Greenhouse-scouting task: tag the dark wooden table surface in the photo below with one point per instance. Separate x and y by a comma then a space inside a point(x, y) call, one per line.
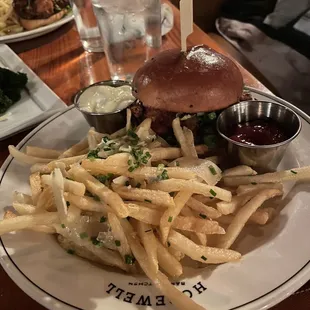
point(60, 61)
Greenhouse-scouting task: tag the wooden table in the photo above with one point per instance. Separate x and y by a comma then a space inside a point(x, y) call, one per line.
point(60, 61)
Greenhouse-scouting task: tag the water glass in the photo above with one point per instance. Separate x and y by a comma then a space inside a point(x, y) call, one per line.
point(131, 31)
point(87, 26)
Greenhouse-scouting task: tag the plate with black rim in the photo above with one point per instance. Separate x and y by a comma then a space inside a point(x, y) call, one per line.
point(275, 262)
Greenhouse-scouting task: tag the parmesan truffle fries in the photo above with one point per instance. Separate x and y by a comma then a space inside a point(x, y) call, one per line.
point(131, 201)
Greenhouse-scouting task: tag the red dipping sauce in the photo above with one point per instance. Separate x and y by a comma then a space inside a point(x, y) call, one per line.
point(259, 132)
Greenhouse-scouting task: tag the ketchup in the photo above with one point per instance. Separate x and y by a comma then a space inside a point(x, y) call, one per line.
point(258, 132)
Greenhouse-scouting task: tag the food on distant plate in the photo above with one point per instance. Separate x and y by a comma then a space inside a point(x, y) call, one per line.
point(11, 85)
point(105, 99)
point(258, 132)
point(37, 13)
point(9, 23)
point(131, 201)
point(194, 85)
point(19, 15)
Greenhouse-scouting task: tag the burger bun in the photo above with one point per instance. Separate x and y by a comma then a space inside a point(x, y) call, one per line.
point(30, 24)
point(199, 80)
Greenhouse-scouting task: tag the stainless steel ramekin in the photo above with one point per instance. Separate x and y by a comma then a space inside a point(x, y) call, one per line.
point(263, 157)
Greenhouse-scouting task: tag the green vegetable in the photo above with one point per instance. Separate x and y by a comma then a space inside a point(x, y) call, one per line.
point(177, 164)
point(96, 242)
point(104, 179)
point(212, 192)
point(170, 219)
point(93, 154)
point(117, 243)
point(83, 235)
point(63, 226)
point(5, 102)
point(138, 185)
point(294, 172)
point(11, 84)
point(147, 200)
point(70, 251)
point(253, 183)
point(127, 183)
point(163, 175)
point(103, 219)
point(68, 203)
point(202, 216)
point(204, 258)
point(129, 260)
point(212, 170)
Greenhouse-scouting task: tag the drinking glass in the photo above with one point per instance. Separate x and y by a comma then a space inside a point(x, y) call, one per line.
point(131, 31)
point(87, 26)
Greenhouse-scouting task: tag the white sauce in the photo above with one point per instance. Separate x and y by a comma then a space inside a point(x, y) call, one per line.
point(106, 99)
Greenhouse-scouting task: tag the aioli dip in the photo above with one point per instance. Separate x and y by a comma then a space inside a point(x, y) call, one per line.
point(105, 99)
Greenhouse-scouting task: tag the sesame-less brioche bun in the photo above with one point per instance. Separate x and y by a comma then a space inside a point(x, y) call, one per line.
point(199, 80)
point(31, 24)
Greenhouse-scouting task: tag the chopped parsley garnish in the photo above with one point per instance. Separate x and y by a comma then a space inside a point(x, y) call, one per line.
point(212, 116)
point(96, 242)
point(212, 192)
point(202, 216)
point(129, 259)
point(107, 149)
point(294, 172)
point(117, 243)
point(253, 183)
point(63, 226)
point(212, 170)
point(68, 203)
point(104, 179)
point(70, 251)
point(170, 219)
point(129, 162)
point(138, 185)
point(103, 219)
point(131, 169)
point(127, 183)
point(138, 158)
point(163, 175)
point(93, 154)
point(147, 200)
point(84, 235)
point(177, 164)
point(105, 139)
point(132, 134)
point(204, 258)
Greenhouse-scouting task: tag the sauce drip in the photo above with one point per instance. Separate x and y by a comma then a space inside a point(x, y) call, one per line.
point(258, 132)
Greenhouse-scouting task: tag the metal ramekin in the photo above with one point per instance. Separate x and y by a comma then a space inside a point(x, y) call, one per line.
point(262, 157)
point(104, 122)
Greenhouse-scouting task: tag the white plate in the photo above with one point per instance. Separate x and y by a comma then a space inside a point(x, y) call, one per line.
point(38, 103)
point(276, 261)
point(31, 34)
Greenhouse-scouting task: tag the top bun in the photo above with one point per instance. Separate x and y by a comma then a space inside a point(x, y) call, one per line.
point(199, 80)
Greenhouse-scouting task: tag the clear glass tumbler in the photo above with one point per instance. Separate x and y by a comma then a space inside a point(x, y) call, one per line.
point(131, 31)
point(87, 26)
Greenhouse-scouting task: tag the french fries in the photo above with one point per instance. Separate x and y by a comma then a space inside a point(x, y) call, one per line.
point(296, 174)
point(206, 255)
point(243, 215)
point(239, 171)
point(113, 199)
point(170, 214)
point(154, 197)
point(176, 185)
point(41, 152)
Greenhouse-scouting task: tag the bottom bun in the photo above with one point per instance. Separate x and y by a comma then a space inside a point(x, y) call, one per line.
point(30, 24)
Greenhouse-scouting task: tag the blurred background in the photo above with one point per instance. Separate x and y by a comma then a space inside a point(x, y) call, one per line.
point(270, 38)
